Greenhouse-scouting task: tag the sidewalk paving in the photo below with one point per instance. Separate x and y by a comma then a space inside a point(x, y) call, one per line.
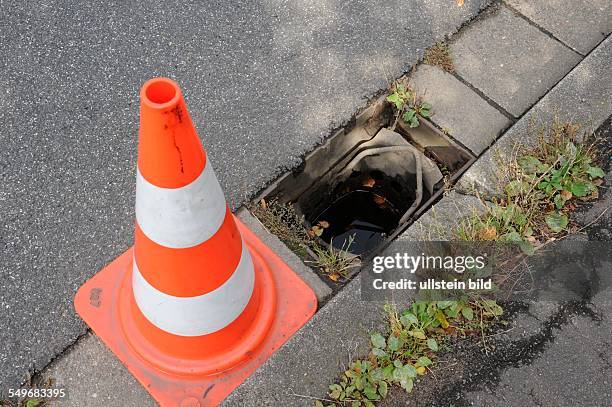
point(510, 60)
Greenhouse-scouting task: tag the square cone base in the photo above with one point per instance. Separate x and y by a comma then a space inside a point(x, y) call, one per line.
point(97, 302)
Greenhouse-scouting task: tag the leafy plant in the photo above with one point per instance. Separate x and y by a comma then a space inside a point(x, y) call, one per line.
point(407, 105)
point(570, 175)
point(29, 402)
point(409, 347)
point(412, 113)
point(400, 96)
point(542, 185)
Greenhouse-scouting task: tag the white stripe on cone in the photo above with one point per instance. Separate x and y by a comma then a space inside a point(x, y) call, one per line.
point(180, 217)
point(199, 315)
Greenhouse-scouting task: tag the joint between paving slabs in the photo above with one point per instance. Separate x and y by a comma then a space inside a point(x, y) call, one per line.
point(36, 375)
point(540, 28)
point(486, 98)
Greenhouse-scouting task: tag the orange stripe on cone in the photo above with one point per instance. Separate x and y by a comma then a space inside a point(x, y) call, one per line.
point(186, 278)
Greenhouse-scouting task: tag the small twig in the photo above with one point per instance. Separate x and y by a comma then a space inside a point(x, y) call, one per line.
point(321, 399)
point(314, 398)
point(590, 223)
point(397, 116)
point(500, 333)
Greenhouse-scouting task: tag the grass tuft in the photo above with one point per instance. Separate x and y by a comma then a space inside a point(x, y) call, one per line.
point(281, 220)
point(335, 263)
point(439, 55)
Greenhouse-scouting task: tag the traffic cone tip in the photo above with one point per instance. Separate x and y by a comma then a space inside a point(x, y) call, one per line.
point(160, 93)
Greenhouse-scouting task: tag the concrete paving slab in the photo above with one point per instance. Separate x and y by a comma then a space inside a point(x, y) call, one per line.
point(265, 82)
point(93, 376)
point(580, 24)
point(510, 60)
point(583, 96)
point(439, 221)
point(458, 109)
point(315, 357)
point(322, 290)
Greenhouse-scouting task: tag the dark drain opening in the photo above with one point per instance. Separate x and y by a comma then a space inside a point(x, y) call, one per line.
point(365, 216)
point(370, 183)
point(376, 189)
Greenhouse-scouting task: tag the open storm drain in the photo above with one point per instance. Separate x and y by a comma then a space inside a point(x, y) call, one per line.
point(366, 184)
point(369, 195)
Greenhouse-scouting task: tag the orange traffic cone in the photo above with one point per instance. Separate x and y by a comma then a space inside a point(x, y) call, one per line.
point(199, 302)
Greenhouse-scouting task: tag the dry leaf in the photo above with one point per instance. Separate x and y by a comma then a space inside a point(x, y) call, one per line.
point(317, 230)
point(379, 200)
point(368, 182)
point(594, 195)
point(334, 276)
point(460, 2)
point(263, 204)
point(488, 233)
point(567, 195)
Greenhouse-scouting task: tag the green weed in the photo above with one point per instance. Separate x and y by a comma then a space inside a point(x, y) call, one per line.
point(543, 185)
point(408, 106)
point(408, 349)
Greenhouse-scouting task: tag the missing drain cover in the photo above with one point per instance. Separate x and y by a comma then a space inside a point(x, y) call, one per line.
point(368, 183)
point(361, 215)
point(374, 191)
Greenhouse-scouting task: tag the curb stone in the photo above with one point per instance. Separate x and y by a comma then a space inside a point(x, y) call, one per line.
point(458, 109)
point(509, 60)
point(438, 222)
